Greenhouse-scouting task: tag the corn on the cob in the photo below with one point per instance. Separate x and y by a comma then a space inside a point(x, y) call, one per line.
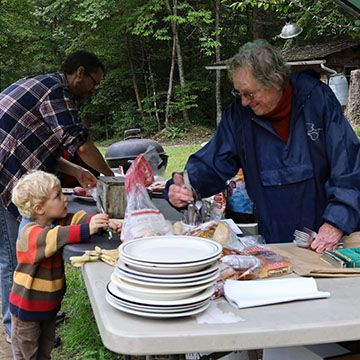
point(108, 256)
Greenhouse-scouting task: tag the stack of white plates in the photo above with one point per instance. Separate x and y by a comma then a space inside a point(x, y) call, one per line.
point(164, 277)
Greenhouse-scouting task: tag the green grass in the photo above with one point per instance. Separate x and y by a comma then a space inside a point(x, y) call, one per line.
point(178, 156)
point(79, 334)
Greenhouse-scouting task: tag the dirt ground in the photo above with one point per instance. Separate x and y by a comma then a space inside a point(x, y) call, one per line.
point(5, 348)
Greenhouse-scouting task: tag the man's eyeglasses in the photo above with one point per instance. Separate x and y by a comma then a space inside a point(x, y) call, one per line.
point(247, 95)
point(96, 83)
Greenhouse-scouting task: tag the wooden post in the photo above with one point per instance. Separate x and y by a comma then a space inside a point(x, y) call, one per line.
point(352, 111)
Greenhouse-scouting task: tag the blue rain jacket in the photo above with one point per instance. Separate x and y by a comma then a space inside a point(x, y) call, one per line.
point(313, 178)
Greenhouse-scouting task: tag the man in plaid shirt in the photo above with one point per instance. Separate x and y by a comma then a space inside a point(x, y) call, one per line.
point(38, 121)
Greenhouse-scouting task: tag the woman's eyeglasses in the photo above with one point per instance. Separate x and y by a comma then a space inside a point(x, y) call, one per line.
point(247, 95)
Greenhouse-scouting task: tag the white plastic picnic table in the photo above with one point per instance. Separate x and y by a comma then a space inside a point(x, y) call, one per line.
point(334, 319)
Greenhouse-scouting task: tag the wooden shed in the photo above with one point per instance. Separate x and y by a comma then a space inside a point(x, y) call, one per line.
point(327, 55)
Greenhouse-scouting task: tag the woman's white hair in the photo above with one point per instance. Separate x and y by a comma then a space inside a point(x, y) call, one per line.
point(33, 188)
point(266, 65)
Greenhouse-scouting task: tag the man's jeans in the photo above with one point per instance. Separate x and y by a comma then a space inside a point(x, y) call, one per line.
point(8, 235)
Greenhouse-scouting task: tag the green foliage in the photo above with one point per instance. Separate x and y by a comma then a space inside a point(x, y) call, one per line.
point(242, 5)
point(318, 18)
point(357, 130)
point(147, 18)
point(182, 99)
point(125, 117)
point(36, 35)
point(174, 131)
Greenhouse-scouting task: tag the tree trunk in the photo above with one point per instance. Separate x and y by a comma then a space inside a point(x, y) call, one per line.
point(151, 77)
point(217, 59)
point(257, 24)
point(352, 111)
point(173, 11)
point(169, 92)
point(133, 76)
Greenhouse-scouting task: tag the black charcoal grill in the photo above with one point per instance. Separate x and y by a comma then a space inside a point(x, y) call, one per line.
point(124, 152)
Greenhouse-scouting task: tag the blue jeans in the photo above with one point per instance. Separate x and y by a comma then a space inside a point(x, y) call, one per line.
point(8, 235)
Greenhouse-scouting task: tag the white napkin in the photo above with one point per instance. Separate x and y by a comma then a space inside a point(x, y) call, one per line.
point(244, 294)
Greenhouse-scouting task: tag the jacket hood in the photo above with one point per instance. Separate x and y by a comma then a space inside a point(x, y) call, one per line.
point(304, 82)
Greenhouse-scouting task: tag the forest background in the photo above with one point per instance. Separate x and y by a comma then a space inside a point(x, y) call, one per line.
point(155, 52)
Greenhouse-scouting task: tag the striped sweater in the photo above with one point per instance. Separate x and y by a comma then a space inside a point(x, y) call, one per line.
point(39, 278)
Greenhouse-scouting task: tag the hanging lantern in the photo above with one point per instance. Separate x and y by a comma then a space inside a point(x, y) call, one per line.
point(340, 87)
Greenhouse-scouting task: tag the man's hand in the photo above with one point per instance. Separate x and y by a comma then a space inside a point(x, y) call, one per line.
point(179, 195)
point(98, 221)
point(328, 238)
point(85, 178)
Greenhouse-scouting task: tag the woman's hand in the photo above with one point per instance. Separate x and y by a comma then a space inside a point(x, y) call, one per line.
point(328, 238)
point(98, 221)
point(179, 195)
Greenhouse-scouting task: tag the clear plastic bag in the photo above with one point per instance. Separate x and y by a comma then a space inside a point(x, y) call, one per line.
point(142, 217)
point(246, 258)
point(217, 230)
point(214, 207)
point(240, 267)
point(272, 263)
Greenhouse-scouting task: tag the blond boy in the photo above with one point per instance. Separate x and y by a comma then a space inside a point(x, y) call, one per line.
point(39, 279)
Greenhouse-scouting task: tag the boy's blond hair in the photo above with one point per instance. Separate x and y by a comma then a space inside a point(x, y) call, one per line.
point(33, 188)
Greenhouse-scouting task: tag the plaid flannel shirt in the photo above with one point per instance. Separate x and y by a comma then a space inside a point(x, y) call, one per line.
point(38, 119)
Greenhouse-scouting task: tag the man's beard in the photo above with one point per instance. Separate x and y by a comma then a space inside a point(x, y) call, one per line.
point(81, 100)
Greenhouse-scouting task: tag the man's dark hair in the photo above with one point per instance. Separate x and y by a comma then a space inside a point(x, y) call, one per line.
point(84, 58)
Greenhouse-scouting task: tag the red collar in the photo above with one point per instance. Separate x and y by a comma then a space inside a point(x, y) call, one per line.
point(283, 107)
point(280, 116)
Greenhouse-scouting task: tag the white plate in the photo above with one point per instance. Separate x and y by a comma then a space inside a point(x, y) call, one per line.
point(157, 293)
point(159, 315)
point(157, 309)
point(111, 288)
point(147, 282)
point(165, 277)
point(175, 249)
point(203, 295)
point(169, 268)
point(84, 198)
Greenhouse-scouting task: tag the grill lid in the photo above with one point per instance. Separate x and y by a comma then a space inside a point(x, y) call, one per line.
point(131, 148)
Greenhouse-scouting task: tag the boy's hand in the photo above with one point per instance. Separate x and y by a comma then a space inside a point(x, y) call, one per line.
point(97, 222)
point(116, 225)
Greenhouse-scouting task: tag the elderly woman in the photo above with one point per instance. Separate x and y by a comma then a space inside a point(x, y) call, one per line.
point(300, 156)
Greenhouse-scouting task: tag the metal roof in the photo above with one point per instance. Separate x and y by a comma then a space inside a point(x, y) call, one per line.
point(351, 6)
point(319, 49)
